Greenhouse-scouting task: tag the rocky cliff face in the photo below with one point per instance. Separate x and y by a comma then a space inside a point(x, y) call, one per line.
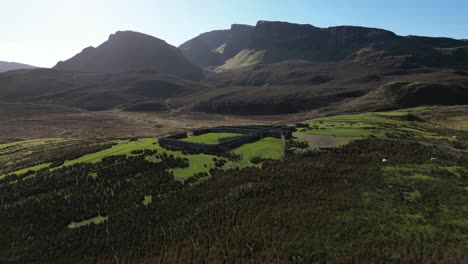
point(286, 41)
point(279, 41)
point(215, 47)
point(127, 51)
point(201, 50)
point(240, 38)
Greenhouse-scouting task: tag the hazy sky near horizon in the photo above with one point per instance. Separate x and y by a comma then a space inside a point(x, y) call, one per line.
point(42, 32)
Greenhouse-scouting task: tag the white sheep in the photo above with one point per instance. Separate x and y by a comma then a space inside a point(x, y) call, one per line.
point(384, 160)
point(433, 159)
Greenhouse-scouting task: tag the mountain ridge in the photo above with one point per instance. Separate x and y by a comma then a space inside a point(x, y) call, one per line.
point(128, 51)
point(11, 66)
point(281, 41)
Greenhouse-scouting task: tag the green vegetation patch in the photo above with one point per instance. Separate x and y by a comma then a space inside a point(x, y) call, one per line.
point(33, 168)
point(30, 143)
point(379, 124)
point(267, 148)
point(243, 59)
point(148, 199)
point(198, 163)
point(33, 155)
point(95, 220)
point(122, 148)
point(211, 138)
point(452, 117)
point(340, 204)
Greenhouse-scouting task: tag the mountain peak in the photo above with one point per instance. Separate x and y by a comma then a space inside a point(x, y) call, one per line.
point(130, 35)
point(127, 51)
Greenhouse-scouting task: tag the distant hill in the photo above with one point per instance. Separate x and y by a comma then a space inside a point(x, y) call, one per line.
point(128, 51)
point(270, 42)
point(270, 69)
point(10, 66)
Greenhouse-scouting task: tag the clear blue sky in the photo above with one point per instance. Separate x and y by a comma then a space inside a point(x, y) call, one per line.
point(42, 32)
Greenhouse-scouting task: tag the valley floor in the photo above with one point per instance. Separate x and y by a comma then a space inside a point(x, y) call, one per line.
point(380, 186)
point(20, 121)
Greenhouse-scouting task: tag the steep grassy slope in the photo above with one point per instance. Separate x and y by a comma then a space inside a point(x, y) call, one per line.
point(242, 59)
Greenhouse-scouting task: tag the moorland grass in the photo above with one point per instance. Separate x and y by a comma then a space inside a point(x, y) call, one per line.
point(378, 124)
point(32, 155)
point(30, 143)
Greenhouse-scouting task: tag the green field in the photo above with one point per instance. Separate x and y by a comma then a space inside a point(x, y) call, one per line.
point(323, 132)
point(210, 138)
point(379, 124)
point(122, 148)
point(267, 148)
point(33, 168)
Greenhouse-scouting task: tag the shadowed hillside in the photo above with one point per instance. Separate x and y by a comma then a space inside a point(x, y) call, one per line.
point(215, 47)
point(127, 51)
point(279, 41)
point(94, 91)
point(10, 66)
point(273, 68)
